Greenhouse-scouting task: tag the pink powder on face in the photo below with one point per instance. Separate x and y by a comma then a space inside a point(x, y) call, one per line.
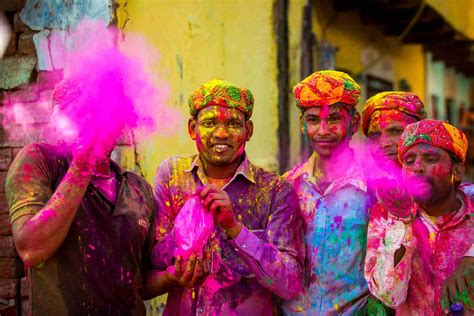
point(376, 167)
point(116, 91)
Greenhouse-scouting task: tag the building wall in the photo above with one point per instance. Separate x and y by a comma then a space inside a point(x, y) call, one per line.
point(410, 65)
point(444, 82)
point(458, 13)
point(201, 40)
point(358, 44)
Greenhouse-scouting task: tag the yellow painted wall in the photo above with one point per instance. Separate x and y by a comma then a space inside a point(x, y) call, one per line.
point(458, 13)
point(230, 39)
point(201, 40)
point(410, 65)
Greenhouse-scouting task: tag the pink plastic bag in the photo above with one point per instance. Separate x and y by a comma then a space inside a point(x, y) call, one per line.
point(192, 227)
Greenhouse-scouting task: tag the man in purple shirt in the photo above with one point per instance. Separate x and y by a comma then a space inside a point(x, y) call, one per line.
point(256, 251)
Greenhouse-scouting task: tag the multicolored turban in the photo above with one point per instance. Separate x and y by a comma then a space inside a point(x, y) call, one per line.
point(326, 87)
point(405, 102)
point(222, 93)
point(435, 133)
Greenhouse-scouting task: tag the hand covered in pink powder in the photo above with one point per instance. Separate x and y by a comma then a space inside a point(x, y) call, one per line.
point(395, 198)
point(218, 202)
point(189, 273)
point(88, 156)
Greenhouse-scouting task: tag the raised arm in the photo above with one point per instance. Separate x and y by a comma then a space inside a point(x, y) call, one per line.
point(41, 217)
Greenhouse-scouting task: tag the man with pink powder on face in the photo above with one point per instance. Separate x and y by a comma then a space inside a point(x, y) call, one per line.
point(83, 226)
point(333, 197)
point(384, 117)
point(421, 233)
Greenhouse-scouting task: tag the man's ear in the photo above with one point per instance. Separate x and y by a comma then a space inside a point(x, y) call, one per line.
point(355, 122)
point(302, 128)
point(458, 171)
point(249, 129)
point(192, 127)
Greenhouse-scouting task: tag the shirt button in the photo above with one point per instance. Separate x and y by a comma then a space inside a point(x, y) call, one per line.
point(199, 310)
point(243, 246)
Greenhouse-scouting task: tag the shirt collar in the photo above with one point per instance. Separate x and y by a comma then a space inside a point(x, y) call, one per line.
point(304, 170)
point(246, 169)
point(115, 166)
point(463, 213)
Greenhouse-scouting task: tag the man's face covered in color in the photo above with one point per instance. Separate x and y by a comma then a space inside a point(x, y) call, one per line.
point(429, 174)
point(384, 132)
point(220, 134)
point(328, 128)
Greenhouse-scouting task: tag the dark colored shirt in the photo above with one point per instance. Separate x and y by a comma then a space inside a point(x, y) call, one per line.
point(100, 265)
point(250, 273)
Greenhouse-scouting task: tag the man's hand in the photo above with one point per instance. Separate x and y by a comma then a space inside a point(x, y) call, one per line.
point(395, 198)
point(458, 288)
point(91, 156)
point(193, 274)
point(217, 201)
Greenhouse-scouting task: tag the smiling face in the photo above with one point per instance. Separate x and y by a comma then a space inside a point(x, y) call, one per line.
point(328, 128)
point(384, 132)
point(430, 173)
point(220, 134)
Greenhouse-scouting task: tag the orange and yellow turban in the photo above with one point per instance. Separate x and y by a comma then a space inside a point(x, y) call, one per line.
point(326, 87)
point(221, 93)
point(405, 102)
point(435, 133)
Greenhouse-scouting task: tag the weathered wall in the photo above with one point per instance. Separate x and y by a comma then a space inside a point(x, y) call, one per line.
point(201, 40)
point(17, 70)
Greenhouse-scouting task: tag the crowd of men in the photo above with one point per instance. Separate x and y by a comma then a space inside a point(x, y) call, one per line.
point(381, 228)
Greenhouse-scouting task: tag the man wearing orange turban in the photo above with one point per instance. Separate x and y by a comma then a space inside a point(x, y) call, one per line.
point(333, 197)
point(384, 117)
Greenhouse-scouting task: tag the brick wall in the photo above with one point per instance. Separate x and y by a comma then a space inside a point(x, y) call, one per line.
point(19, 83)
point(13, 285)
